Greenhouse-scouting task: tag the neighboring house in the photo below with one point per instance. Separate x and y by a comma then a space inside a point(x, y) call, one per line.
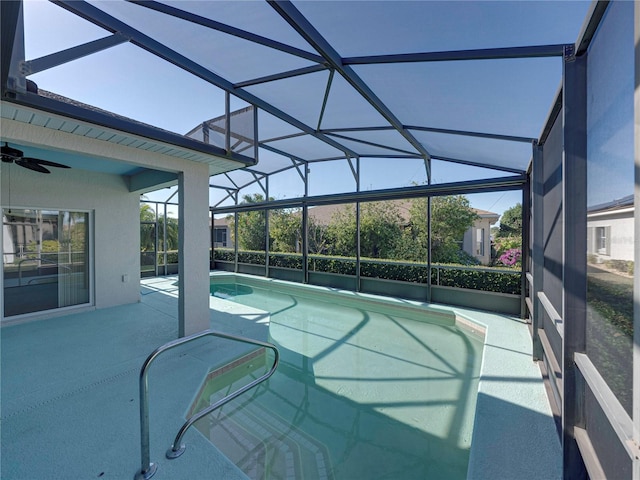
point(477, 239)
point(610, 230)
point(222, 233)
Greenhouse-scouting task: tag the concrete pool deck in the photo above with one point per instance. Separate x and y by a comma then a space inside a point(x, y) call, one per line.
point(70, 394)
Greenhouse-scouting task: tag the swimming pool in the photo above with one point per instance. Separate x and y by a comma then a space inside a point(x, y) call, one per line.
point(365, 389)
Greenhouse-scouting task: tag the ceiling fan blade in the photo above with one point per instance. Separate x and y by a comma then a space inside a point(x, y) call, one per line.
point(8, 153)
point(45, 162)
point(31, 166)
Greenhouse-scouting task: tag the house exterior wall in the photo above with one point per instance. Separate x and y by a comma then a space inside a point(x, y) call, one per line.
point(477, 240)
point(116, 214)
point(610, 236)
point(115, 220)
point(223, 232)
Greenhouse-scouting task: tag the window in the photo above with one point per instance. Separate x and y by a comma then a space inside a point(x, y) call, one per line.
point(45, 260)
point(220, 237)
point(602, 240)
point(480, 241)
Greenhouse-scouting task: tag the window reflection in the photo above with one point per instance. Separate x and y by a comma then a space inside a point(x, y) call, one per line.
point(610, 200)
point(45, 259)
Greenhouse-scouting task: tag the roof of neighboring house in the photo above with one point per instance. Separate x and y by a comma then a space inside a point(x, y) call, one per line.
point(220, 222)
point(493, 217)
point(624, 202)
point(322, 214)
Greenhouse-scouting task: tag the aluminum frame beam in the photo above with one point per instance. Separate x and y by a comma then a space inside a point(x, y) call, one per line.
point(373, 144)
point(537, 247)
point(588, 30)
point(539, 51)
point(112, 24)
point(300, 24)
point(221, 27)
point(515, 182)
point(68, 55)
point(477, 164)
point(466, 133)
point(574, 275)
point(325, 99)
point(10, 15)
point(281, 76)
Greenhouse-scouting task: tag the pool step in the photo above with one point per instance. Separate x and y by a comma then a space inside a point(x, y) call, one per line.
point(265, 446)
point(262, 444)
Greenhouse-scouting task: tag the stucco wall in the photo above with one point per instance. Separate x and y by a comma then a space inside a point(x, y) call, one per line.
point(469, 240)
point(117, 217)
point(621, 236)
point(115, 221)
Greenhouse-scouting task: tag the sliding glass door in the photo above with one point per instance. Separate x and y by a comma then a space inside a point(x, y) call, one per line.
point(45, 260)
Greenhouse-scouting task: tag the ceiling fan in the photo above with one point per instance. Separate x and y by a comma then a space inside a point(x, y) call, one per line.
point(13, 155)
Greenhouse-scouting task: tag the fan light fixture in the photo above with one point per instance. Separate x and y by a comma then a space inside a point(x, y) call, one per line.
point(13, 155)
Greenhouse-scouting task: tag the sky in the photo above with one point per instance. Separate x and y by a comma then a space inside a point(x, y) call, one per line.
point(508, 97)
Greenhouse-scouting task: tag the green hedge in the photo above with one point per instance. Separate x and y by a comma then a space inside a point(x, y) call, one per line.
point(286, 260)
point(244, 256)
point(224, 255)
point(403, 272)
point(502, 280)
point(339, 265)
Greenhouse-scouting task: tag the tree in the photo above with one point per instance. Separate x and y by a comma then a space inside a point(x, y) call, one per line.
point(413, 244)
point(380, 229)
point(172, 232)
point(318, 238)
point(451, 217)
point(251, 226)
point(148, 230)
point(508, 241)
point(285, 230)
point(341, 232)
point(511, 222)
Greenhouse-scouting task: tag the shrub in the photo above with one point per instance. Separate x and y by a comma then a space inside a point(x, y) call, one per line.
point(286, 261)
point(501, 281)
point(511, 258)
point(251, 257)
point(340, 265)
point(405, 272)
point(449, 275)
point(172, 257)
point(224, 254)
point(625, 266)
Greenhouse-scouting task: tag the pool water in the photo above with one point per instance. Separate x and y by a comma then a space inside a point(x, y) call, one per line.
point(359, 394)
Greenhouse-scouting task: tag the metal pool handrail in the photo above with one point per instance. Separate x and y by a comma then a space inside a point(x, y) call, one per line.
point(40, 259)
point(148, 469)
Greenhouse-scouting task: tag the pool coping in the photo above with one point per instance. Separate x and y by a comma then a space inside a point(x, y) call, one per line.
point(514, 433)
